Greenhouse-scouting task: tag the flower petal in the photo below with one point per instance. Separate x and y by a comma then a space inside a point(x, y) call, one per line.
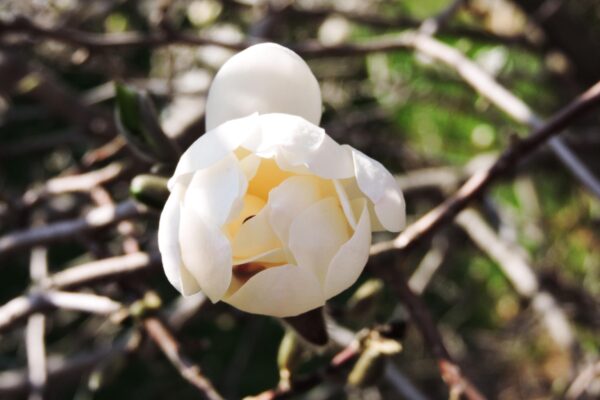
point(255, 236)
point(251, 206)
point(214, 191)
point(348, 263)
point(288, 200)
point(249, 165)
point(271, 257)
point(168, 244)
point(264, 78)
point(206, 253)
point(382, 189)
point(280, 292)
point(317, 234)
point(267, 177)
point(214, 145)
point(301, 147)
point(345, 202)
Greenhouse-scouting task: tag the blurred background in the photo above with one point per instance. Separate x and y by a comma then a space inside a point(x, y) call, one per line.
point(513, 284)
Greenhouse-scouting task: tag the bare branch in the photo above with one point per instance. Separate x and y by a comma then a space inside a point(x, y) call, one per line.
point(35, 330)
point(431, 25)
point(172, 349)
point(111, 41)
point(63, 370)
point(520, 274)
point(468, 192)
point(583, 381)
point(429, 265)
point(40, 83)
point(75, 183)
point(97, 218)
point(502, 98)
point(106, 269)
point(341, 360)
point(22, 307)
point(36, 355)
point(449, 370)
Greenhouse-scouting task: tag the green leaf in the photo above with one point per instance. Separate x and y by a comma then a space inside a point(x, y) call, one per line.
point(137, 120)
point(127, 107)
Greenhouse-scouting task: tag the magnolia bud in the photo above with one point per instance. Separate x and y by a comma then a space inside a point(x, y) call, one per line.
point(150, 190)
point(362, 306)
point(291, 350)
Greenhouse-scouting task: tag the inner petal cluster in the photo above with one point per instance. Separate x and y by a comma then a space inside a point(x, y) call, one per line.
point(285, 218)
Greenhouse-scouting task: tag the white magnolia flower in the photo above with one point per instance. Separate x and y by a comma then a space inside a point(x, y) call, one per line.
point(266, 211)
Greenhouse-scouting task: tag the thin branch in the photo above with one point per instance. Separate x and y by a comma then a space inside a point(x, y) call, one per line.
point(402, 384)
point(401, 21)
point(432, 25)
point(27, 77)
point(34, 144)
point(340, 361)
point(470, 71)
point(63, 370)
point(520, 275)
point(583, 381)
point(344, 338)
point(75, 183)
point(505, 100)
point(449, 370)
point(22, 307)
point(125, 40)
point(35, 331)
point(109, 268)
point(36, 355)
point(351, 348)
point(468, 192)
point(112, 41)
point(172, 349)
point(429, 265)
point(86, 302)
point(95, 219)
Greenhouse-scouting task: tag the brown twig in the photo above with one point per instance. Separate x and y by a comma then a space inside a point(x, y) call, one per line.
point(109, 268)
point(504, 99)
point(22, 307)
point(401, 21)
point(583, 381)
point(520, 274)
point(468, 192)
point(114, 41)
point(95, 219)
point(419, 313)
point(63, 370)
point(75, 183)
point(431, 25)
point(35, 343)
point(341, 360)
point(26, 77)
point(169, 345)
